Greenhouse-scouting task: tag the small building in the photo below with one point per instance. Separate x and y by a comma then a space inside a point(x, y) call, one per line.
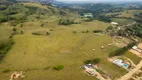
point(137, 49)
point(134, 47)
point(114, 23)
point(88, 15)
point(118, 62)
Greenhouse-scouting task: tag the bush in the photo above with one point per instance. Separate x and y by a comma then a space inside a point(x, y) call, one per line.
point(65, 22)
point(47, 33)
point(14, 29)
point(21, 25)
point(42, 25)
point(96, 61)
point(98, 31)
point(6, 70)
point(93, 61)
point(87, 31)
point(46, 68)
point(58, 67)
point(22, 32)
point(87, 61)
point(74, 31)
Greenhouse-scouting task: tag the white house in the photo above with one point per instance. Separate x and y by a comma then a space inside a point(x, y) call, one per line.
point(114, 23)
point(88, 15)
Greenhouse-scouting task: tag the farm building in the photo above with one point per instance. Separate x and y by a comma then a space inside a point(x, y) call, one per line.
point(114, 23)
point(88, 15)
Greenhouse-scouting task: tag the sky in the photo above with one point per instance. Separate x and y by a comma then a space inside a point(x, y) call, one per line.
point(98, 0)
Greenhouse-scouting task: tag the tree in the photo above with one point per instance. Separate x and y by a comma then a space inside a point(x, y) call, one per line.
point(93, 61)
point(14, 29)
point(96, 61)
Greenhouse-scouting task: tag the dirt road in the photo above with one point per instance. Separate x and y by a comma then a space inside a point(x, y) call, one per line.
point(133, 71)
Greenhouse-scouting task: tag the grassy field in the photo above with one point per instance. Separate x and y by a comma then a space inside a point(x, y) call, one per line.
point(128, 13)
point(5, 32)
point(123, 21)
point(33, 53)
point(133, 57)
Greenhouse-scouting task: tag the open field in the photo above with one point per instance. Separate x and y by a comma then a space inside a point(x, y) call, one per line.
point(128, 13)
point(33, 53)
point(123, 21)
point(5, 32)
point(133, 57)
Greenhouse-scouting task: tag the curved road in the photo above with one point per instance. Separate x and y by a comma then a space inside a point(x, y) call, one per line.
point(131, 72)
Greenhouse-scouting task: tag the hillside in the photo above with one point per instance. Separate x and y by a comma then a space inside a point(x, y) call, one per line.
point(40, 41)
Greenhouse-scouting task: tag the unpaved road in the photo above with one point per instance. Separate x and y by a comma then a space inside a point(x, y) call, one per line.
point(133, 71)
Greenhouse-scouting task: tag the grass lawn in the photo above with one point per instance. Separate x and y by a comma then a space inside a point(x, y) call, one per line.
point(133, 57)
point(5, 32)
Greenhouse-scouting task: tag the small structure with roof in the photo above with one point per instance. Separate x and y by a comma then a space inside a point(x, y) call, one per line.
point(114, 23)
point(88, 15)
point(137, 49)
point(120, 63)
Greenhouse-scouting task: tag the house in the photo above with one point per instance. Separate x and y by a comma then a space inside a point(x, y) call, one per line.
point(134, 47)
point(114, 23)
point(137, 49)
point(120, 63)
point(88, 15)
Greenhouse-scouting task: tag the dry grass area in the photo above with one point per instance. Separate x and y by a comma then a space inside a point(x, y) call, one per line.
point(33, 53)
point(5, 32)
point(35, 5)
point(129, 13)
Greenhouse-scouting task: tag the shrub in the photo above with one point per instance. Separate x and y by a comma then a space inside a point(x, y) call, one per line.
point(87, 61)
point(98, 31)
point(42, 25)
point(6, 70)
point(96, 61)
point(83, 31)
point(46, 68)
point(58, 67)
point(87, 31)
point(65, 22)
point(22, 32)
point(21, 25)
point(93, 61)
point(14, 29)
point(74, 32)
point(47, 33)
